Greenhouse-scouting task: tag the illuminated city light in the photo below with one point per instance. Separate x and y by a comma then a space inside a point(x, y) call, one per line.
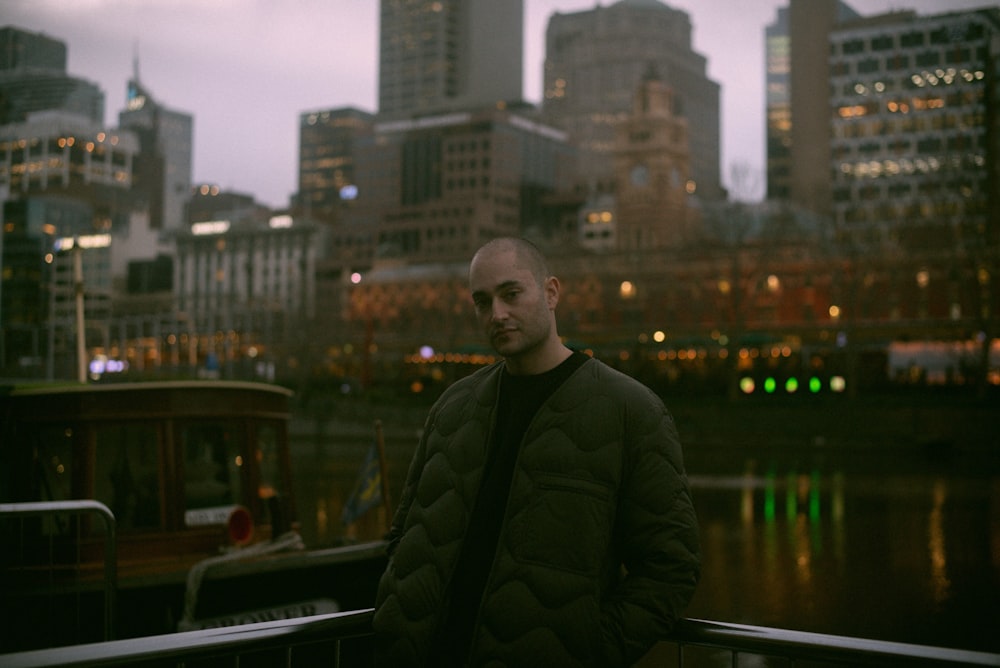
point(815, 385)
point(355, 278)
point(792, 385)
point(770, 385)
point(210, 227)
point(747, 386)
point(85, 241)
point(838, 384)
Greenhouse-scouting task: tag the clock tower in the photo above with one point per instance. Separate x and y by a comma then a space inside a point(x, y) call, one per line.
point(652, 171)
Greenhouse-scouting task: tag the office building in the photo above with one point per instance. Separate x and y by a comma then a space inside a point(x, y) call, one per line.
point(447, 55)
point(778, 105)
point(446, 184)
point(39, 327)
point(22, 50)
point(67, 177)
point(251, 278)
point(163, 168)
point(913, 149)
point(33, 78)
point(68, 153)
point(328, 143)
point(597, 58)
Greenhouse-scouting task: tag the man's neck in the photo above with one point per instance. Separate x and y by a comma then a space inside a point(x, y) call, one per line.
point(540, 361)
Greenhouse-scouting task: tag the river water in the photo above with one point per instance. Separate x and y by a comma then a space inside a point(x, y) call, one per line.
point(902, 546)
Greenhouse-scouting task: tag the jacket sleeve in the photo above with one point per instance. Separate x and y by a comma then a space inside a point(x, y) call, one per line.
point(657, 536)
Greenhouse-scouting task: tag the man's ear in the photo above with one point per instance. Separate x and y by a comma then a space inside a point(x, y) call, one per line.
point(552, 291)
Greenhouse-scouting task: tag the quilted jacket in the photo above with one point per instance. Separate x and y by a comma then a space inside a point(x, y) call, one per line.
point(598, 553)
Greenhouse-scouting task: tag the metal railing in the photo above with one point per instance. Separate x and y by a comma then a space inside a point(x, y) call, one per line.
point(79, 507)
point(345, 639)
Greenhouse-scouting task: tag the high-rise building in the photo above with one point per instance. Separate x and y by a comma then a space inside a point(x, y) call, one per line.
point(33, 78)
point(163, 168)
point(597, 58)
point(328, 142)
point(42, 234)
point(778, 105)
point(808, 151)
point(67, 153)
point(23, 50)
point(446, 184)
point(448, 55)
point(913, 148)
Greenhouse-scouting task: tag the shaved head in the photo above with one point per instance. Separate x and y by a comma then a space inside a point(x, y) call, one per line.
point(527, 254)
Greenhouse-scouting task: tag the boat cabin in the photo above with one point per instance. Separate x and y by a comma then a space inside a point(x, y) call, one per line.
point(188, 468)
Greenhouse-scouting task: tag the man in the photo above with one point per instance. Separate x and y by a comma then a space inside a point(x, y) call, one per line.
point(546, 518)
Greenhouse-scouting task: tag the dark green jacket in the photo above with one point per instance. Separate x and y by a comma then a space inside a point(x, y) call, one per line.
point(598, 554)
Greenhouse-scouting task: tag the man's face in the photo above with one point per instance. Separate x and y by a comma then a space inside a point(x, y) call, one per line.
point(512, 308)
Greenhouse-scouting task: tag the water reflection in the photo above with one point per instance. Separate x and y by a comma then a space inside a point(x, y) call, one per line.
point(940, 584)
point(833, 548)
point(892, 548)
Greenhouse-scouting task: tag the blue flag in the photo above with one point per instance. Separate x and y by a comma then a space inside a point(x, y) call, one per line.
point(367, 490)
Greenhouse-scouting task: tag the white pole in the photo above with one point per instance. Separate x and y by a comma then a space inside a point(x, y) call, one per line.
point(81, 348)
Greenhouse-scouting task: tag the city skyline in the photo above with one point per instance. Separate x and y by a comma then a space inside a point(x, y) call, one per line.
point(248, 68)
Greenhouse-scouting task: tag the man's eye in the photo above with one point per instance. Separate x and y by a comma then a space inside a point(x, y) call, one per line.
point(511, 294)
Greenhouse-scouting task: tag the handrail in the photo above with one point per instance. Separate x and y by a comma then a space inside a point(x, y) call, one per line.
point(333, 628)
point(821, 647)
point(81, 506)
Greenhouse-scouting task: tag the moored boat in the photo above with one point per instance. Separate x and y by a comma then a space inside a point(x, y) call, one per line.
point(197, 476)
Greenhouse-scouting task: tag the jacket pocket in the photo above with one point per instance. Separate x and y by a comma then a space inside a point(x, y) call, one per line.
point(565, 525)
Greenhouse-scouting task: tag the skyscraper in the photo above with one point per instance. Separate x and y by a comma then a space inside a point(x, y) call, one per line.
point(596, 59)
point(33, 78)
point(778, 101)
point(163, 167)
point(447, 55)
point(797, 74)
point(913, 150)
point(327, 159)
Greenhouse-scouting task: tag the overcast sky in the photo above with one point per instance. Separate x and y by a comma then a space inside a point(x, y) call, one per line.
point(246, 69)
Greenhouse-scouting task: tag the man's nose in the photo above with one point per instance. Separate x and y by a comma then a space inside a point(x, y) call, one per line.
point(498, 311)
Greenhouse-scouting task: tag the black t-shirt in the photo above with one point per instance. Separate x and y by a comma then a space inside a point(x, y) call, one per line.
point(520, 397)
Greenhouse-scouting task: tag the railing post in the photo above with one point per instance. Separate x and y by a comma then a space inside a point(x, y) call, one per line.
point(79, 507)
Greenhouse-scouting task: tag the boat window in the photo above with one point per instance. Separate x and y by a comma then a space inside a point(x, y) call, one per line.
point(213, 461)
point(53, 451)
point(126, 473)
point(269, 458)
point(271, 489)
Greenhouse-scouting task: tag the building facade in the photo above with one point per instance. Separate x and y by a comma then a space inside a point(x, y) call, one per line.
point(328, 144)
point(68, 182)
point(163, 169)
point(594, 62)
point(778, 101)
point(444, 185)
point(245, 282)
point(913, 163)
point(651, 163)
point(436, 57)
point(33, 78)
